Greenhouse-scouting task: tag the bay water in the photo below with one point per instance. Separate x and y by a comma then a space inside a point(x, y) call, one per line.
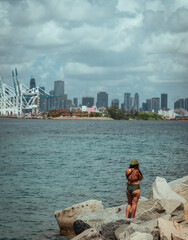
point(48, 165)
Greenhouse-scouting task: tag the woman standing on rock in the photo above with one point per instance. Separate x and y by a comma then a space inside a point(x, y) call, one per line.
point(133, 175)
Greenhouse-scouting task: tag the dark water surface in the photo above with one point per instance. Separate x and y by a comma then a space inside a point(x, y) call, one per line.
point(48, 165)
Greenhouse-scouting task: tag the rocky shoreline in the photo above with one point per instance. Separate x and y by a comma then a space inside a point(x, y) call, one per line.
point(164, 216)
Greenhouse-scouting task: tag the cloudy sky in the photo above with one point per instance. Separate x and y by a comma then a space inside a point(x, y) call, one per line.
point(115, 46)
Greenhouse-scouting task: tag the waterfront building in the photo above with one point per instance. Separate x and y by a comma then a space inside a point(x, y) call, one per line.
point(164, 101)
point(155, 104)
point(144, 107)
point(75, 102)
point(115, 102)
point(179, 103)
point(127, 97)
point(49, 102)
point(102, 100)
point(186, 104)
point(148, 105)
point(92, 109)
point(51, 92)
point(32, 83)
point(136, 101)
point(59, 87)
point(88, 101)
point(132, 103)
point(68, 104)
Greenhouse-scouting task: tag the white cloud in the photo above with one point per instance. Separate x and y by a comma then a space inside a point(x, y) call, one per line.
point(128, 6)
point(80, 68)
point(120, 44)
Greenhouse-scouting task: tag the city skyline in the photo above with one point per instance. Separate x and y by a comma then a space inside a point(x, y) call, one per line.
point(129, 103)
point(115, 46)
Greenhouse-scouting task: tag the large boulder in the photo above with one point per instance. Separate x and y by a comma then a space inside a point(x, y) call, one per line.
point(108, 230)
point(149, 209)
point(161, 190)
point(140, 236)
point(152, 224)
point(96, 219)
point(178, 214)
point(178, 181)
point(125, 232)
point(80, 226)
point(182, 190)
point(90, 234)
point(67, 217)
point(171, 230)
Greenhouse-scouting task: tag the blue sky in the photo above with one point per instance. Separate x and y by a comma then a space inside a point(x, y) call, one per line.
point(115, 46)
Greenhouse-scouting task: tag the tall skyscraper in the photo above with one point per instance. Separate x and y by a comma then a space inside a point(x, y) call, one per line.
point(75, 102)
point(127, 97)
point(179, 104)
point(88, 101)
point(155, 104)
point(32, 83)
point(164, 101)
point(144, 107)
point(115, 102)
point(186, 104)
point(59, 88)
point(132, 103)
point(148, 105)
point(136, 101)
point(102, 100)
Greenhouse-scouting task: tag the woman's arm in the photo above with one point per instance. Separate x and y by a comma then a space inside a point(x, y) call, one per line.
point(140, 176)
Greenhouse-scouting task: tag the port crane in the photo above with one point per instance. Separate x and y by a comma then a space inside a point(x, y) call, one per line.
point(19, 98)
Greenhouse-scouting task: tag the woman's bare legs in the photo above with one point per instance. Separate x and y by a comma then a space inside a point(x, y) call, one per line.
point(132, 202)
point(129, 204)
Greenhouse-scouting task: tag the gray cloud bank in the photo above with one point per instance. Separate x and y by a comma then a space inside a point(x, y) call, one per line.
point(97, 45)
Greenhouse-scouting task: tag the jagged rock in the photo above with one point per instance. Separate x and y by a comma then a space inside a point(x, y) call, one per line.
point(178, 181)
point(80, 226)
point(89, 234)
point(155, 208)
point(171, 230)
point(67, 217)
point(149, 209)
point(140, 236)
point(153, 223)
point(108, 229)
point(178, 214)
point(125, 232)
point(161, 190)
point(96, 219)
point(182, 190)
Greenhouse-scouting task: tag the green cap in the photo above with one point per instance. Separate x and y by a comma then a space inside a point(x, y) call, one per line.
point(134, 162)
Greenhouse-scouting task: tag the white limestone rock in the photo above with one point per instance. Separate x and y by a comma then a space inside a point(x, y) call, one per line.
point(182, 190)
point(90, 234)
point(108, 230)
point(169, 230)
point(124, 233)
point(149, 209)
point(66, 217)
point(140, 236)
point(183, 180)
point(161, 190)
point(96, 219)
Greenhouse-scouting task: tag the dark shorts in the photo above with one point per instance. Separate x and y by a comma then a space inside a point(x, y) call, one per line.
point(132, 187)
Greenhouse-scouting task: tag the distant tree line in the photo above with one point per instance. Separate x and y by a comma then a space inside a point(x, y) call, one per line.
point(121, 114)
point(111, 112)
